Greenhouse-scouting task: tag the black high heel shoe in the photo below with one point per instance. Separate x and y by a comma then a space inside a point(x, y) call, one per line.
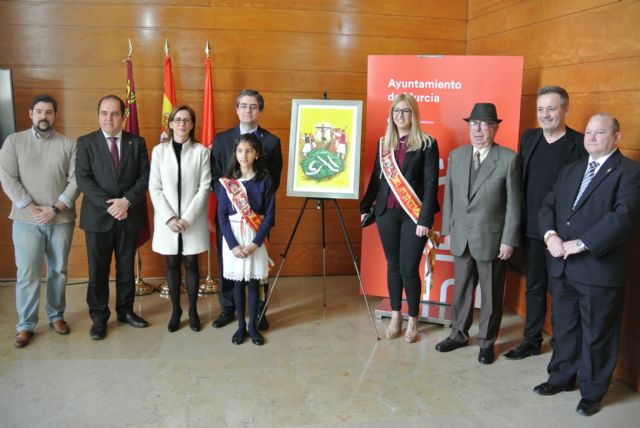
point(174, 322)
point(194, 321)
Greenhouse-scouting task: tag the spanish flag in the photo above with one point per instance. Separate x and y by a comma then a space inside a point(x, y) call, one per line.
point(169, 97)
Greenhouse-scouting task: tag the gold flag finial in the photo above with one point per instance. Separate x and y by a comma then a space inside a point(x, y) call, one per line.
point(166, 47)
point(207, 48)
point(130, 50)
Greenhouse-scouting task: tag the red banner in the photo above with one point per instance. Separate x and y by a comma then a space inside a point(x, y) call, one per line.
point(446, 88)
point(208, 133)
point(131, 125)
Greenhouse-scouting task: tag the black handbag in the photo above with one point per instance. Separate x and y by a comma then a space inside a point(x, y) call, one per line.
point(369, 218)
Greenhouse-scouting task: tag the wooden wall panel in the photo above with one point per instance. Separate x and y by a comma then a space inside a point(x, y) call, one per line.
point(591, 48)
point(74, 50)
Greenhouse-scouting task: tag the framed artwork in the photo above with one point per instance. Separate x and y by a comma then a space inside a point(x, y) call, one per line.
point(324, 149)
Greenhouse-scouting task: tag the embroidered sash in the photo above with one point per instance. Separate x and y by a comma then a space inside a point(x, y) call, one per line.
point(407, 199)
point(240, 200)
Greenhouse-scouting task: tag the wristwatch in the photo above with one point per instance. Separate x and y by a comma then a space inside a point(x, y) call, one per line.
point(580, 245)
point(55, 209)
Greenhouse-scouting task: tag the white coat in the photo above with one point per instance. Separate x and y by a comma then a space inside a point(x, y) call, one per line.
point(196, 187)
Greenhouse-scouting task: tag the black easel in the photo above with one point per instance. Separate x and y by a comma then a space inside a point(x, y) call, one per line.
point(320, 205)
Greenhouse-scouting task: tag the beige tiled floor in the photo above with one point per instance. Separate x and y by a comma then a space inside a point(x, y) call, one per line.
point(319, 367)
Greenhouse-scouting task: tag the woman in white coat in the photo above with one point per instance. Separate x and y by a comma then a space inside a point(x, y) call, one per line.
point(179, 185)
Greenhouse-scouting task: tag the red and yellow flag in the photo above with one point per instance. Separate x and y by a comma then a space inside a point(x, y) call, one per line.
point(169, 98)
point(208, 133)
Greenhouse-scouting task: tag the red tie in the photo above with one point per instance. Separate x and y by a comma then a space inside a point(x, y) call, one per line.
point(114, 153)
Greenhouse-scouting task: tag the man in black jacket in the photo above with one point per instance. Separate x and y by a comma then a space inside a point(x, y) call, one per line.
point(112, 171)
point(543, 152)
point(249, 106)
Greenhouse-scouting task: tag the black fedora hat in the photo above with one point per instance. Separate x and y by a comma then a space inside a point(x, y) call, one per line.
point(484, 111)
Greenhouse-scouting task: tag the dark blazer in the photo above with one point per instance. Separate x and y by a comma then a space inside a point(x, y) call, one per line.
point(489, 214)
point(222, 153)
point(572, 150)
point(420, 168)
point(603, 219)
point(98, 181)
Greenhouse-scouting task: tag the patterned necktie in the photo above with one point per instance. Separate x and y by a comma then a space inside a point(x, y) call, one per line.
point(115, 157)
point(476, 161)
point(588, 176)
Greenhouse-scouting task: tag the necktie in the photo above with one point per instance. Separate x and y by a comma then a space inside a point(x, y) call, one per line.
point(588, 176)
point(115, 157)
point(476, 161)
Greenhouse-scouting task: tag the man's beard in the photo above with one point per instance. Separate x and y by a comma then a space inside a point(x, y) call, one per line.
point(47, 127)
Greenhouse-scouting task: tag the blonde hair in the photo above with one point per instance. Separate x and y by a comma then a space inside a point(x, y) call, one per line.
point(417, 139)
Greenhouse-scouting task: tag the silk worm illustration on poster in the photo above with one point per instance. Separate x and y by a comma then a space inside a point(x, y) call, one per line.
point(324, 149)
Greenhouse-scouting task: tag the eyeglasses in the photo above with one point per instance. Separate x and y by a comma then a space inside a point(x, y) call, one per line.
point(401, 111)
point(178, 121)
point(252, 107)
point(480, 124)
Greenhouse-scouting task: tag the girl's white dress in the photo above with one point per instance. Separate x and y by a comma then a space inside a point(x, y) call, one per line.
point(255, 266)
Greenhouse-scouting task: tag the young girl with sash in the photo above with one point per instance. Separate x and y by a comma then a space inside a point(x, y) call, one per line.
point(404, 189)
point(246, 212)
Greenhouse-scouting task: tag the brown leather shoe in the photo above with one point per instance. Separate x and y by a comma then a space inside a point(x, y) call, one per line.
point(23, 338)
point(60, 326)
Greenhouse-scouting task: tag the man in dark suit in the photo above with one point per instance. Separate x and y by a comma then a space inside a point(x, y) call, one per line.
point(249, 106)
point(543, 153)
point(587, 220)
point(112, 171)
point(481, 222)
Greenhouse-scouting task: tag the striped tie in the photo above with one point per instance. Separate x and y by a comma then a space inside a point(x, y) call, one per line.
point(588, 176)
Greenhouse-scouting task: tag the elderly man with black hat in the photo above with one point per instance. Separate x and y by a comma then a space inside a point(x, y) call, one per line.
point(481, 222)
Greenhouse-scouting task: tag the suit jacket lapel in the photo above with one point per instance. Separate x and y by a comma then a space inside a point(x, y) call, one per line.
point(465, 160)
point(125, 150)
point(530, 149)
point(610, 165)
point(488, 166)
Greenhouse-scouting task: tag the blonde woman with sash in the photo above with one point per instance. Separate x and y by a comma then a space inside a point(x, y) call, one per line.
point(404, 189)
point(246, 212)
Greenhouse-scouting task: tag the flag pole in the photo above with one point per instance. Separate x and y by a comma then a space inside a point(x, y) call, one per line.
point(209, 285)
point(142, 288)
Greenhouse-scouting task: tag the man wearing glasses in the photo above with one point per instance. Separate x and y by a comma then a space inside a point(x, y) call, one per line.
point(249, 106)
point(481, 222)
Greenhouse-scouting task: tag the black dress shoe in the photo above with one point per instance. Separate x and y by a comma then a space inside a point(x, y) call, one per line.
point(588, 407)
point(263, 325)
point(548, 389)
point(238, 336)
point(523, 350)
point(98, 331)
point(133, 320)
point(256, 338)
point(486, 355)
point(448, 345)
point(222, 320)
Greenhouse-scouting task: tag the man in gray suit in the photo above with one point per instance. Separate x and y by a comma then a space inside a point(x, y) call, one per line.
point(481, 222)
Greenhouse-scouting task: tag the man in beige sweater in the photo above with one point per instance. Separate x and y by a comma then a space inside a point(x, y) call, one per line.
point(37, 171)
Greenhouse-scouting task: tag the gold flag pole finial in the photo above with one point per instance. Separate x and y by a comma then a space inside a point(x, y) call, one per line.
point(207, 49)
point(166, 47)
point(130, 50)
